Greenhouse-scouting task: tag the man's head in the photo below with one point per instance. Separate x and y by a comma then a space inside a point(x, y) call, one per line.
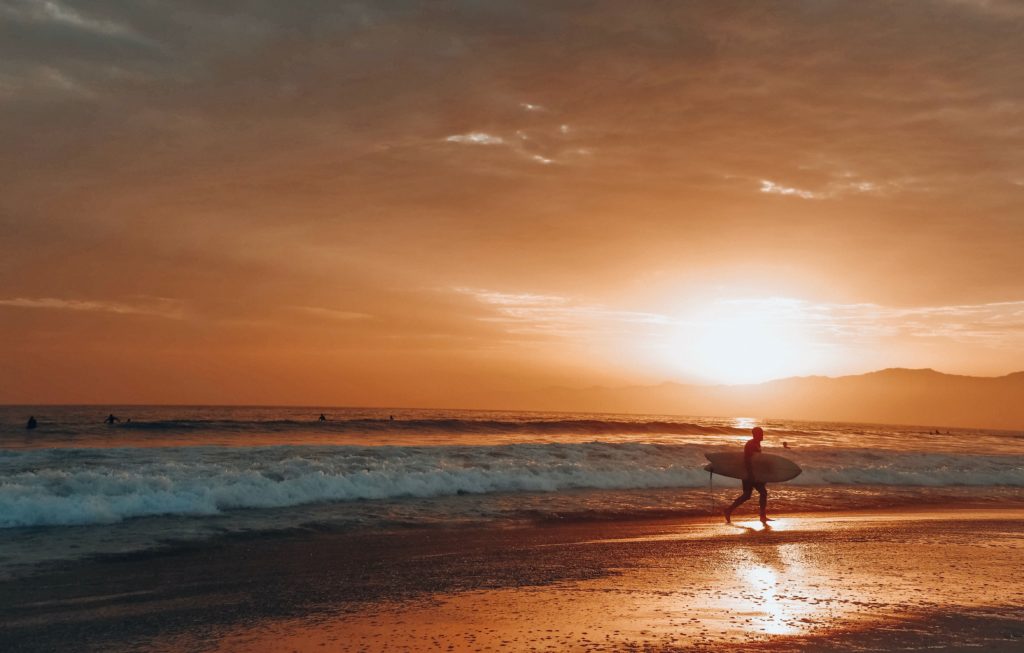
point(757, 432)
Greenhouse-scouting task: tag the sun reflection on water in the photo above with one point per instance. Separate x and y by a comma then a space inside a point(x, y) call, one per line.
point(744, 422)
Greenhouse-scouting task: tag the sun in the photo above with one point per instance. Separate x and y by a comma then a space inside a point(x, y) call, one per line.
point(738, 344)
point(744, 352)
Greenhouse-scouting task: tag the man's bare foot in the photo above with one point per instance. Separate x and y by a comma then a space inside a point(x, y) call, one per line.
point(728, 517)
point(765, 520)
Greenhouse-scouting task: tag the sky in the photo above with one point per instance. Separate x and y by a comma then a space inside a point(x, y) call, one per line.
point(437, 203)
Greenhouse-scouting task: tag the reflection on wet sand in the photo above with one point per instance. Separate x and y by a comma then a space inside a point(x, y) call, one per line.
point(702, 585)
point(779, 599)
point(774, 617)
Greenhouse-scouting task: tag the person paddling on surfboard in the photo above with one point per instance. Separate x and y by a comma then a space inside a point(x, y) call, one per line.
point(749, 483)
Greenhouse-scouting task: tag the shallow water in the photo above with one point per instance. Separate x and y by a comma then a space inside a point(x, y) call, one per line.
point(76, 486)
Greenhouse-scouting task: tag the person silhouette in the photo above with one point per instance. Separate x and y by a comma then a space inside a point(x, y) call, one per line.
point(111, 419)
point(752, 447)
point(32, 423)
point(323, 418)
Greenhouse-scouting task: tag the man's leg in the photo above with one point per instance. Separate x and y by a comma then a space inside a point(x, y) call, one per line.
point(747, 488)
point(763, 491)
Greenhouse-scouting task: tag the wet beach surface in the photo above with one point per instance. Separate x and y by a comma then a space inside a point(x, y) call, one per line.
point(837, 581)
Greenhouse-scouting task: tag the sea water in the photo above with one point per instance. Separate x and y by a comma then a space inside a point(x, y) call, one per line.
point(76, 486)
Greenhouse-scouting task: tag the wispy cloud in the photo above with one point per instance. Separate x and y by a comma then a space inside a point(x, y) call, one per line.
point(844, 184)
point(476, 138)
point(1000, 8)
point(989, 323)
point(58, 12)
point(554, 315)
point(43, 78)
point(537, 140)
point(70, 51)
point(521, 145)
point(157, 306)
point(331, 313)
point(776, 189)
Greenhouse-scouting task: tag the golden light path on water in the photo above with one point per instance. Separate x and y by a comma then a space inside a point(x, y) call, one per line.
point(745, 422)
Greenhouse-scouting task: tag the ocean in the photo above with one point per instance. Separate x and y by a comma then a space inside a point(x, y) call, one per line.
point(181, 476)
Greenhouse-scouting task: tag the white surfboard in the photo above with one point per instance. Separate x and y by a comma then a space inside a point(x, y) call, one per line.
point(768, 468)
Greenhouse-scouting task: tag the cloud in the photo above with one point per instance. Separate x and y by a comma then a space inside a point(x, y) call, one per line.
point(160, 307)
point(524, 144)
point(332, 313)
point(557, 316)
point(989, 324)
point(1000, 8)
point(322, 156)
point(775, 189)
point(54, 52)
point(997, 324)
point(476, 138)
point(845, 184)
point(51, 10)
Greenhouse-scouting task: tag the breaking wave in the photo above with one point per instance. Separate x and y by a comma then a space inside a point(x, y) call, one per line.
point(96, 486)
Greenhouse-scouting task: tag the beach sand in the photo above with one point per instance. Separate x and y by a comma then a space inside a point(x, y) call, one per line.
point(937, 579)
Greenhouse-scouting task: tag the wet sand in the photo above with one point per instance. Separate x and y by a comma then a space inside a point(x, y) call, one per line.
point(943, 580)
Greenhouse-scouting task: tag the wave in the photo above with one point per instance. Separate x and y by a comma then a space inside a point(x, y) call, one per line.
point(451, 425)
point(89, 486)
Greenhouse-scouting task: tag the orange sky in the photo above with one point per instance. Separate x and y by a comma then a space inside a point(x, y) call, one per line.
point(399, 203)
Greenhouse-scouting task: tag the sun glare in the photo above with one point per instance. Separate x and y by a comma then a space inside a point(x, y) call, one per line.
point(735, 344)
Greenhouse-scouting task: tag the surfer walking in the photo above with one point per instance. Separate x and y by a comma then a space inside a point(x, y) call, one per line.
point(749, 483)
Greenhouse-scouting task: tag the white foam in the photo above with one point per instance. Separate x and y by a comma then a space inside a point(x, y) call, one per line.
point(68, 487)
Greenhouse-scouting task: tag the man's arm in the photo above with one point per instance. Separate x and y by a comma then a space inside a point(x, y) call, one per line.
point(748, 462)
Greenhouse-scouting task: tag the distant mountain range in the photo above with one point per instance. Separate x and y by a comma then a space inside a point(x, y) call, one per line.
point(892, 396)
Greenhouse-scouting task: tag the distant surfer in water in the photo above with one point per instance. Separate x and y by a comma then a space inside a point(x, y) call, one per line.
point(32, 423)
point(749, 484)
point(323, 418)
point(111, 419)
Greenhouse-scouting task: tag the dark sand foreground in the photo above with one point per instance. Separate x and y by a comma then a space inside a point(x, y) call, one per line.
point(950, 580)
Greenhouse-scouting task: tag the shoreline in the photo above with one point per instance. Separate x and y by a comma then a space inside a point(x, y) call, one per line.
point(811, 575)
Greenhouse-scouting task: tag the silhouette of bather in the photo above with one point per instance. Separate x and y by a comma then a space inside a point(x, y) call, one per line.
point(111, 419)
point(31, 423)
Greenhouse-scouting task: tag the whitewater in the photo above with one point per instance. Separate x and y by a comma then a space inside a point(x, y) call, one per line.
point(76, 486)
